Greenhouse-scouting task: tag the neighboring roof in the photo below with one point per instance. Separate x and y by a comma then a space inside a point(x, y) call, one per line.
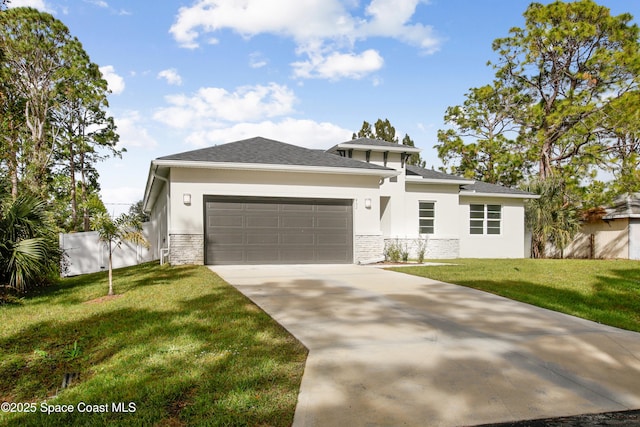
point(627, 206)
point(373, 144)
point(267, 152)
point(479, 188)
point(429, 174)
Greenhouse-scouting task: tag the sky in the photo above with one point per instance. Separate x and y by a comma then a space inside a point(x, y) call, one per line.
point(195, 73)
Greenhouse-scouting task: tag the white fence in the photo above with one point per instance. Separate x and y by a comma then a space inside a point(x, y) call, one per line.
point(85, 253)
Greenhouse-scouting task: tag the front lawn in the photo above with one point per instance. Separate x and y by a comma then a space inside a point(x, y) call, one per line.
point(178, 346)
point(605, 291)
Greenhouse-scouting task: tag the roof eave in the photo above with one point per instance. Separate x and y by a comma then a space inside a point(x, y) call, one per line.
point(501, 195)
point(384, 173)
point(399, 149)
point(422, 180)
point(621, 216)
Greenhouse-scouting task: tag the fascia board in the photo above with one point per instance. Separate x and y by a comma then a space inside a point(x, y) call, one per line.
point(419, 180)
point(500, 195)
point(621, 216)
point(399, 149)
point(276, 168)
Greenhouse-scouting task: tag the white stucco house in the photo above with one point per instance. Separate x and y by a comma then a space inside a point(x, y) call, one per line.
point(260, 201)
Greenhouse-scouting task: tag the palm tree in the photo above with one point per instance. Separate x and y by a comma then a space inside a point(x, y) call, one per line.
point(552, 218)
point(29, 252)
point(114, 232)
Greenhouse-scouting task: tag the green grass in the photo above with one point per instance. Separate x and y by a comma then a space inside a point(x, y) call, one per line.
point(179, 343)
point(605, 291)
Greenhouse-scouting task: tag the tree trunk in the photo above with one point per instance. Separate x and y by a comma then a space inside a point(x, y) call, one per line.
point(110, 271)
point(72, 176)
point(83, 183)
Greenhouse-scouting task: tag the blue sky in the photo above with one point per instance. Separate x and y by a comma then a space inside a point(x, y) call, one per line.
point(194, 73)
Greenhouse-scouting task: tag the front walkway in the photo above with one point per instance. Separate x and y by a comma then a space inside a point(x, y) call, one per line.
point(387, 348)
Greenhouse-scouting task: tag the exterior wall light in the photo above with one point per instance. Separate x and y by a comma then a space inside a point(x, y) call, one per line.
point(367, 203)
point(186, 198)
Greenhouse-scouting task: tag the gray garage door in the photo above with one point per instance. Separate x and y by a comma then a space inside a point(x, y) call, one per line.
point(275, 230)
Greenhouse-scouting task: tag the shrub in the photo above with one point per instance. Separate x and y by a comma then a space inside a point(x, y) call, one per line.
point(392, 251)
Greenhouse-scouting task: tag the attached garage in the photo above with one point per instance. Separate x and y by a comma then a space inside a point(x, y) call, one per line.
point(267, 230)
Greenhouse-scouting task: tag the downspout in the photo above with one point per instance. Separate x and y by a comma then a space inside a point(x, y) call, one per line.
point(165, 251)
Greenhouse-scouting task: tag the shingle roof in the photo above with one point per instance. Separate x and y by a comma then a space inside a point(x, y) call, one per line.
point(483, 187)
point(476, 187)
point(626, 206)
point(371, 142)
point(260, 150)
point(431, 174)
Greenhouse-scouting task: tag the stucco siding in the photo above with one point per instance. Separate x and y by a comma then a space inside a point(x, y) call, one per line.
point(634, 238)
point(508, 244)
point(610, 240)
point(188, 219)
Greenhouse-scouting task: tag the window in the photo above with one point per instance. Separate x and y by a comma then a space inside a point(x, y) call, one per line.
point(427, 217)
point(485, 219)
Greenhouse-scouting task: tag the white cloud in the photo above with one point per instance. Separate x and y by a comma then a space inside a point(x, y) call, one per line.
point(171, 76)
point(132, 131)
point(338, 65)
point(36, 4)
point(210, 104)
point(116, 82)
point(325, 31)
point(257, 60)
point(99, 3)
point(305, 133)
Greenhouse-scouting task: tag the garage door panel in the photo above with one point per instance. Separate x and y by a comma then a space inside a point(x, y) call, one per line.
point(263, 239)
point(261, 222)
point(226, 221)
point(298, 239)
point(228, 239)
point(295, 207)
point(224, 206)
point(332, 239)
point(334, 208)
point(296, 222)
point(260, 207)
point(246, 230)
point(337, 222)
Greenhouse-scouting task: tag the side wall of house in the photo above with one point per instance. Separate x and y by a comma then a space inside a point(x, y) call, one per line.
point(186, 228)
point(508, 244)
point(444, 243)
point(158, 221)
point(600, 240)
point(634, 238)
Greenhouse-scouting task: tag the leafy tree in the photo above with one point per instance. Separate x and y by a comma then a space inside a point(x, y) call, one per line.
point(37, 48)
point(53, 119)
point(552, 218)
point(483, 142)
point(29, 253)
point(113, 232)
point(384, 131)
point(136, 211)
point(562, 107)
point(84, 127)
point(558, 80)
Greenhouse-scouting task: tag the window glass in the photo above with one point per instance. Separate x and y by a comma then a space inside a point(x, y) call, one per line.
point(485, 219)
point(426, 217)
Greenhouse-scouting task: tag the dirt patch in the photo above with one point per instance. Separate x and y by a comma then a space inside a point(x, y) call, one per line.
point(103, 299)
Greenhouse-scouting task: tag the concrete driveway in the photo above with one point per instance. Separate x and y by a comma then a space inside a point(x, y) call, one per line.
point(389, 349)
